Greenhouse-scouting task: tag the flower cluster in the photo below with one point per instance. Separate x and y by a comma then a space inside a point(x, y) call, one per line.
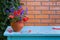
point(18, 15)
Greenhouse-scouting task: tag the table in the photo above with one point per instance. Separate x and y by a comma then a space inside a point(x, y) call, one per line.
point(33, 33)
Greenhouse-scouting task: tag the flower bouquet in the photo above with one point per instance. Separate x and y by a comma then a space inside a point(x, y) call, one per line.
point(16, 14)
point(18, 18)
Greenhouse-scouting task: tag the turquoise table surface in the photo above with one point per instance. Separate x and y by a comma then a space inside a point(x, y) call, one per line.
point(34, 33)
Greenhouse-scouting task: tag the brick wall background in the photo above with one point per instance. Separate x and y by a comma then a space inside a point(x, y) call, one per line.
point(42, 12)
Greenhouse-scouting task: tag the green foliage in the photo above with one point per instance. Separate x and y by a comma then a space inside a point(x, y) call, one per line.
point(4, 21)
point(6, 4)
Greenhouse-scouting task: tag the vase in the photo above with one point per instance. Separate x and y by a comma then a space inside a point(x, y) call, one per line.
point(17, 26)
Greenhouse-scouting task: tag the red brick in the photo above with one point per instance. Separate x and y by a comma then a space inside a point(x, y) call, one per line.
point(53, 0)
point(54, 7)
point(44, 11)
point(22, 0)
point(31, 16)
point(24, 7)
point(41, 16)
point(47, 21)
point(55, 16)
point(29, 24)
point(48, 12)
point(30, 0)
point(41, 0)
point(57, 20)
point(42, 8)
point(40, 24)
point(58, 3)
point(33, 12)
point(48, 3)
point(58, 12)
point(33, 3)
point(30, 7)
point(54, 24)
point(33, 20)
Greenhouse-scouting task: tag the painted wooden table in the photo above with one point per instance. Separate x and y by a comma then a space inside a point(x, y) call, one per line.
point(34, 33)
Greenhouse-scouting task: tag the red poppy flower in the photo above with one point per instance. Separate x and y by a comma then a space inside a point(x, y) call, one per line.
point(15, 13)
point(25, 19)
point(19, 11)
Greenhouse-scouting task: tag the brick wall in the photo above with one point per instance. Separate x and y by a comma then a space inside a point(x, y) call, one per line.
point(42, 12)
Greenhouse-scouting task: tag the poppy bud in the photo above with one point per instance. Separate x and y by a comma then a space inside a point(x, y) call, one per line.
point(11, 16)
